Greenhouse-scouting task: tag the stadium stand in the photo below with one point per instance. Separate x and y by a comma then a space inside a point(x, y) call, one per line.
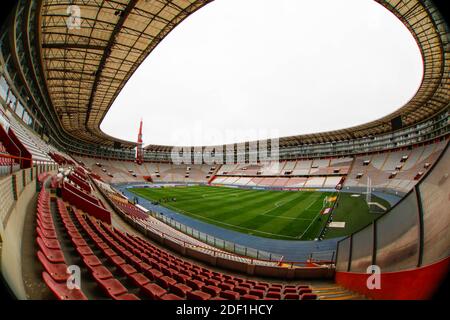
point(381, 166)
point(317, 174)
point(7, 164)
point(144, 269)
point(122, 171)
point(35, 145)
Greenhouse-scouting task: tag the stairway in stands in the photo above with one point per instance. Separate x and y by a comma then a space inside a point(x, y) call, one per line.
point(333, 291)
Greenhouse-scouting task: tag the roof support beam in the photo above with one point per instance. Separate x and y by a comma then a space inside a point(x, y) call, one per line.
point(72, 46)
point(107, 52)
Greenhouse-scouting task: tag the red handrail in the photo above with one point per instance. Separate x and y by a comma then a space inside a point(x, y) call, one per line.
point(11, 165)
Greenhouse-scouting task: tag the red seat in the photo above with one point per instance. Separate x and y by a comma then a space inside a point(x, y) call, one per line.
point(153, 274)
point(126, 296)
point(49, 243)
point(308, 296)
point(126, 254)
point(289, 290)
point(180, 289)
point(292, 296)
point(181, 277)
point(241, 290)
point(84, 251)
point(50, 254)
point(110, 253)
point(139, 279)
point(48, 234)
point(46, 226)
point(212, 282)
point(170, 296)
point(165, 281)
point(263, 284)
point(198, 295)
point(153, 291)
point(260, 287)
point(274, 289)
point(212, 290)
point(135, 261)
point(249, 297)
point(101, 245)
point(290, 286)
point(256, 292)
point(46, 220)
point(100, 272)
point(79, 242)
point(126, 269)
point(158, 266)
point(218, 278)
point(74, 234)
point(230, 295)
point(169, 272)
point(61, 291)
point(199, 277)
point(91, 261)
point(303, 286)
point(195, 284)
point(232, 282)
point(112, 287)
point(58, 271)
point(116, 260)
point(273, 295)
point(226, 286)
point(143, 266)
point(304, 290)
point(43, 226)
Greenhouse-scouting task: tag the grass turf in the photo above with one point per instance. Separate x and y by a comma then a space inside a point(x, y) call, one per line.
point(272, 214)
point(354, 211)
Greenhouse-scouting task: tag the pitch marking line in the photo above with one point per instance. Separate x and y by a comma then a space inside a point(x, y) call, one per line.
point(314, 220)
point(277, 205)
point(280, 204)
point(231, 225)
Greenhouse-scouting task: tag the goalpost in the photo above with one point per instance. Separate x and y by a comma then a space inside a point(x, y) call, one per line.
point(374, 206)
point(369, 191)
point(324, 202)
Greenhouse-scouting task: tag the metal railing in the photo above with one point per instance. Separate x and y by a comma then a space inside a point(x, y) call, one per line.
point(12, 184)
point(217, 242)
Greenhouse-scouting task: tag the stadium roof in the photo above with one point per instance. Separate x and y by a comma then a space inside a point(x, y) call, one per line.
point(87, 67)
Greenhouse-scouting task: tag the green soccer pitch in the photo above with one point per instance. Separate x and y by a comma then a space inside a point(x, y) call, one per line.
point(288, 215)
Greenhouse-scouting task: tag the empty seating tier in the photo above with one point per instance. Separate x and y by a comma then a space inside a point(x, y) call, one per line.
point(128, 267)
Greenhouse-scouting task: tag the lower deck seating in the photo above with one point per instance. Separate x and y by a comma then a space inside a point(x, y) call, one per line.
point(329, 182)
point(50, 254)
point(128, 267)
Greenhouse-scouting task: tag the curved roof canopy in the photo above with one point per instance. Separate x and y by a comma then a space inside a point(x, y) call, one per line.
point(87, 65)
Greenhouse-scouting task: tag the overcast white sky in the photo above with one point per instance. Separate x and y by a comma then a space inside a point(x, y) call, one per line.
point(240, 70)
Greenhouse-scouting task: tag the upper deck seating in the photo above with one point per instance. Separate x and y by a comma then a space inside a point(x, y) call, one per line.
point(397, 171)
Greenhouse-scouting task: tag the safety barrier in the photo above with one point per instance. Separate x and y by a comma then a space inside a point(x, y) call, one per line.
point(405, 242)
point(11, 186)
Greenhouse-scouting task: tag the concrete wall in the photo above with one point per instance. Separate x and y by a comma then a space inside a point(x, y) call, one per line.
point(11, 251)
